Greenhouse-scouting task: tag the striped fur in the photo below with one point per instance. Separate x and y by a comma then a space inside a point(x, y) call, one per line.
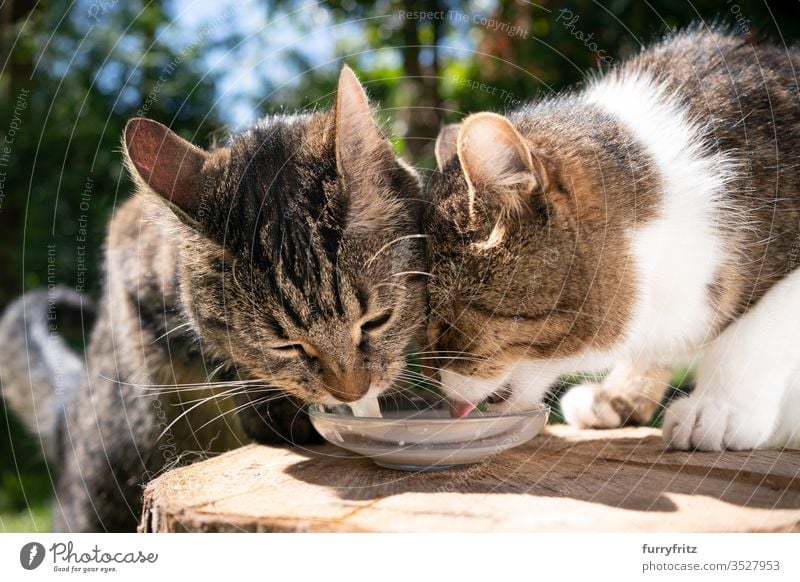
point(240, 284)
point(665, 222)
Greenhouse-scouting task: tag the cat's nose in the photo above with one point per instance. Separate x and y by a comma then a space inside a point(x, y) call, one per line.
point(348, 386)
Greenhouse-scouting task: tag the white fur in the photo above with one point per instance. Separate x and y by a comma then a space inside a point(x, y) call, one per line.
point(529, 381)
point(748, 382)
point(678, 254)
point(748, 387)
point(748, 392)
point(581, 407)
point(637, 385)
point(471, 388)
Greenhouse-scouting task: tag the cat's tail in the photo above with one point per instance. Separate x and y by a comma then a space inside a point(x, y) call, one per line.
point(38, 369)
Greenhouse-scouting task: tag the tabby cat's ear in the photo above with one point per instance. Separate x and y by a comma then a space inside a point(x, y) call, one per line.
point(496, 160)
point(365, 161)
point(360, 144)
point(168, 164)
point(446, 144)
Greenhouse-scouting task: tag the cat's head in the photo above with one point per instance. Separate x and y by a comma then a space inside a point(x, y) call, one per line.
point(509, 271)
point(301, 257)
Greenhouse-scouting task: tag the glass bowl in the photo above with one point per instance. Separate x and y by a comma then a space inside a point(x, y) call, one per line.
point(417, 434)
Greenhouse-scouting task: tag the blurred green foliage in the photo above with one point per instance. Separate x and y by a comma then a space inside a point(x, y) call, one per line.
point(66, 91)
point(72, 74)
point(84, 78)
point(25, 482)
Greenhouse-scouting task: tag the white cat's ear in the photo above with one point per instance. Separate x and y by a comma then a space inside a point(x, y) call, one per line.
point(169, 165)
point(495, 159)
point(446, 144)
point(359, 140)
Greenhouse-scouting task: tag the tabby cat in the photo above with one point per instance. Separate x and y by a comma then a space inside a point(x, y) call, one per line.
point(648, 219)
point(280, 269)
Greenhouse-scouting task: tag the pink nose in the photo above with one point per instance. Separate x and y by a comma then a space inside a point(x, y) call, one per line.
point(348, 386)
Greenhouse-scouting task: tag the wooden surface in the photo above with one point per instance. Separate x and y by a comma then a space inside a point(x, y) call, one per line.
point(564, 480)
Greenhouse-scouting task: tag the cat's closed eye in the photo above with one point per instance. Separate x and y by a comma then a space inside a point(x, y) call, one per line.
point(376, 323)
point(292, 350)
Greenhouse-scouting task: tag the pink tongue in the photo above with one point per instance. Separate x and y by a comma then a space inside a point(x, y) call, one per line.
point(460, 409)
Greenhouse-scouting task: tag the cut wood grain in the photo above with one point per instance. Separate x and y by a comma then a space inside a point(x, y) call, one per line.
point(564, 480)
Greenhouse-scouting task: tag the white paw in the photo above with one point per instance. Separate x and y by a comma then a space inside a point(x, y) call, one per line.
point(586, 406)
point(712, 424)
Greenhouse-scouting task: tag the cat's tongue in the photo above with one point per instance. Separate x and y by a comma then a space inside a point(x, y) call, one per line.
point(460, 409)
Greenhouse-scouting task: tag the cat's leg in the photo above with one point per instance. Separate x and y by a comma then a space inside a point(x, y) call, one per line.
point(747, 382)
point(271, 416)
point(631, 393)
point(105, 437)
point(108, 436)
point(281, 420)
point(787, 431)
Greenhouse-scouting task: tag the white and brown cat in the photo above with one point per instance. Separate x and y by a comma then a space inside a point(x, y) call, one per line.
point(649, 219)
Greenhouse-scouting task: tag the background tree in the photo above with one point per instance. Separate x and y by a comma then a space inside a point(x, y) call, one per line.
point(69, 82)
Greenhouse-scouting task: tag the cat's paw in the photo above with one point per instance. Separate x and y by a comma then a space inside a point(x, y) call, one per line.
point(712, 424)
point(590, 406)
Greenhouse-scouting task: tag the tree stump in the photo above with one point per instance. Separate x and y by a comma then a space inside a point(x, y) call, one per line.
point(564, 480)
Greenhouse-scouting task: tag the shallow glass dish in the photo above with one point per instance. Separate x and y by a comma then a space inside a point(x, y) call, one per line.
point(419, 435)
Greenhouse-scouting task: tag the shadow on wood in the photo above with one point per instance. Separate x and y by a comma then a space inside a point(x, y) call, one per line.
point(564, 480)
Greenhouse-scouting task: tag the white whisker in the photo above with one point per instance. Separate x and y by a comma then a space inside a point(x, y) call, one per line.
point(390, 243)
